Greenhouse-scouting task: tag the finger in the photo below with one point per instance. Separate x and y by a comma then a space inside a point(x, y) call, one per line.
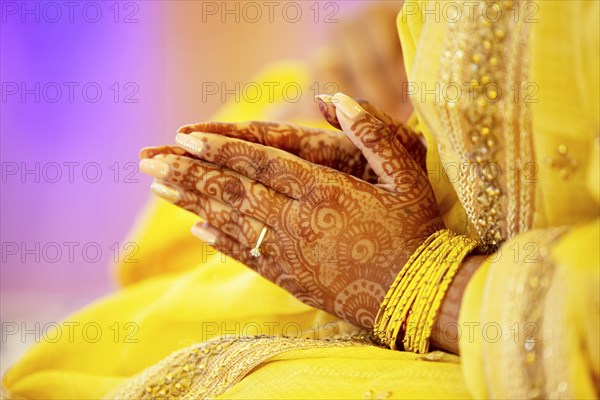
point(379, 113)
point(229, 187)
point(151, 152)
point(263, 132)
point(327, 108)
point(319, 146)
point(411, 141)
point(287, 137)
point(395, 169)
point(243, 228)
point(266, 264)
point(274, 168)
point(226, 244)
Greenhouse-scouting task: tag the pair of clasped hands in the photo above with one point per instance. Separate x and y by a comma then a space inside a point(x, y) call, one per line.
point(344, 208)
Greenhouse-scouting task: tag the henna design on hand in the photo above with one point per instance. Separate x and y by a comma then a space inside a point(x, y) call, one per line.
point(334, 241)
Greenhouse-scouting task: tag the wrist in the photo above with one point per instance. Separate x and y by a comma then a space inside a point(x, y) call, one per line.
point(411, 306)
point(444, 335)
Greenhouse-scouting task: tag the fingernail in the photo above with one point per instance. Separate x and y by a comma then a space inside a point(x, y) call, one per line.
point(165, 192)
point(155, 168)
point(190, 143)
point(201, 232)
point(327, 98)
point(347, 106)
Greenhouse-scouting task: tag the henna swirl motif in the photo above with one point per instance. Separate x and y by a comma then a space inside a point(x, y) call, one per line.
point(364, 244)
point(357, 301)
point(326, 211)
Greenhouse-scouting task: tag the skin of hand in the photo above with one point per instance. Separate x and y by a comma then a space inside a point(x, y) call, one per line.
point(334, 241)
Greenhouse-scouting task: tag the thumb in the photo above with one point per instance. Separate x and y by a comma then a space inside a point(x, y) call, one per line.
point(413, 142)
point(395, 168)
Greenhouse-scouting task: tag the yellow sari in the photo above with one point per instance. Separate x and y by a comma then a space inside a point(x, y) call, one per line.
point(529, 320)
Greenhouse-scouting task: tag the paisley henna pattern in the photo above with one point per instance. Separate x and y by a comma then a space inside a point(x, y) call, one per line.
point(357, 300)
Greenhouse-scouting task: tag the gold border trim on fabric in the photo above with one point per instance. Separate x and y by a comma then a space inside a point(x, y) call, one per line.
point(209, 369)
point(490, 128)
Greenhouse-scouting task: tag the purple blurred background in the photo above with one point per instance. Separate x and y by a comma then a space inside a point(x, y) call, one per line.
point(78, 101)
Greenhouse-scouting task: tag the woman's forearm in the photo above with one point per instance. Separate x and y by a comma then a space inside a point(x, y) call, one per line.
point(444, 335)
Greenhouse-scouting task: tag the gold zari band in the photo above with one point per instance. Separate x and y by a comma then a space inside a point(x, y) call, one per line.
point(413, 301)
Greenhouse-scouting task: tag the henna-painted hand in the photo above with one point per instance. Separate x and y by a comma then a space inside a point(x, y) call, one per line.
point(334, 241)
point(329, 148)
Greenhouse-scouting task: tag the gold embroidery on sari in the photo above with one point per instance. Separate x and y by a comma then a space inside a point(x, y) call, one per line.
point(489, 128)
point(209, 369)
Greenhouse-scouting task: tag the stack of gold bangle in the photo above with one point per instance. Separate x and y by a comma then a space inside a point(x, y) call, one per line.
point(411, 305)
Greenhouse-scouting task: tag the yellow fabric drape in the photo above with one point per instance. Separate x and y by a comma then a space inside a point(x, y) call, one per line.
point(182, 292)
point(564, 84)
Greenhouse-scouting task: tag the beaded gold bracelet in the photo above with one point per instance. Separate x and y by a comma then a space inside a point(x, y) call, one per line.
point(411, 305)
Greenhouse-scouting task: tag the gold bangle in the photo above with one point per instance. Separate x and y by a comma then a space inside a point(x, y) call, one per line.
point(412, 303)
point(418, 339)
point(409, 292)
point(466, 247)
point(386, 320)
point(426, 292)
point(458, 248)
point(382, 319)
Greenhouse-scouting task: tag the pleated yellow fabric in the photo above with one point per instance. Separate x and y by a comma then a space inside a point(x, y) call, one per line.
point(528, 347)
